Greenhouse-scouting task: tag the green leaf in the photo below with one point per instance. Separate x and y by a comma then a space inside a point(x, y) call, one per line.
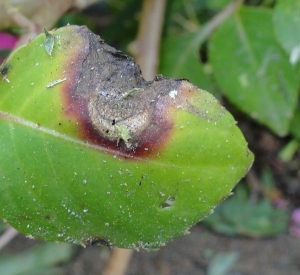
point(179, 59)
point(287, 28)
point(35, 259)
point(47, 271)
point(238, 216)
point(287, 153)
point(222, 263)
point(295, 129)
point(122, 33)
point(2, 226)
point(68, 175)
point(252, 69)
point(217, 4)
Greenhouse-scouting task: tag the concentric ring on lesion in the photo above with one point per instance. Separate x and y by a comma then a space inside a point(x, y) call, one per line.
point(119, 117)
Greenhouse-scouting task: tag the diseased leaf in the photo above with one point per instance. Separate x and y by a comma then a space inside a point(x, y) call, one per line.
point(90, 161)
point(252, 69)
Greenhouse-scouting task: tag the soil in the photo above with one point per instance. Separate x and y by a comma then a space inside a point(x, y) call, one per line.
point(188, 255)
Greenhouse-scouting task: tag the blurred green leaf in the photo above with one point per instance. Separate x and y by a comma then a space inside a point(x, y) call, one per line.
point(3, 54)
point(238, 216)
point(187, 6)
point(34, 260)
point(123, 28)
point(2, 226)
point(47, 271)
point(287, 27)
point(287, 153)
point(217, 4)
point(180, 60)
point(222, 263)
point(253, 70)
point(295, 129)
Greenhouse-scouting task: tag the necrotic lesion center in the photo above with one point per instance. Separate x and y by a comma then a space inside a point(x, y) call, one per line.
point(111, 111)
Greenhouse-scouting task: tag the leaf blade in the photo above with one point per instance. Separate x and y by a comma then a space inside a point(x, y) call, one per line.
point(34, 259)
point(286, 27)
point(258, 77)
point(71, 189)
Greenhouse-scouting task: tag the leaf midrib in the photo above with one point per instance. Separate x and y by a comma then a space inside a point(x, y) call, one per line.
point(53, 133)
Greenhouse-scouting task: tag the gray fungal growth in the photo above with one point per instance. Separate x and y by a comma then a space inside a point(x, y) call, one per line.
point(118, 117)
point(120, 102)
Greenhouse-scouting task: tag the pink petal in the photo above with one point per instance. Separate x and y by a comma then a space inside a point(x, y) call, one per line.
point(296, 216)
point(7, 41)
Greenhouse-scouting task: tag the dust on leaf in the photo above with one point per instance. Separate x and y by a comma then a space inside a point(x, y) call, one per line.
point(55, 82)
point(125, 95)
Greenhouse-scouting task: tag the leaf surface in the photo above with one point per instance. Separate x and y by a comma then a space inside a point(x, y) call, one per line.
point(36, 260)
point(287, 28)
point(69, 175)
point(252, 69)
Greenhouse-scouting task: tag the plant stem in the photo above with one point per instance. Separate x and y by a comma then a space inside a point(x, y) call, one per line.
point(7, 236)
point(146, 46)
point(31, 29)
point(208, 28)
point(146, 50)
point(52, 10)
point(255, 186)
point(204, 32)
point(45, 15)
point(118, 261)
